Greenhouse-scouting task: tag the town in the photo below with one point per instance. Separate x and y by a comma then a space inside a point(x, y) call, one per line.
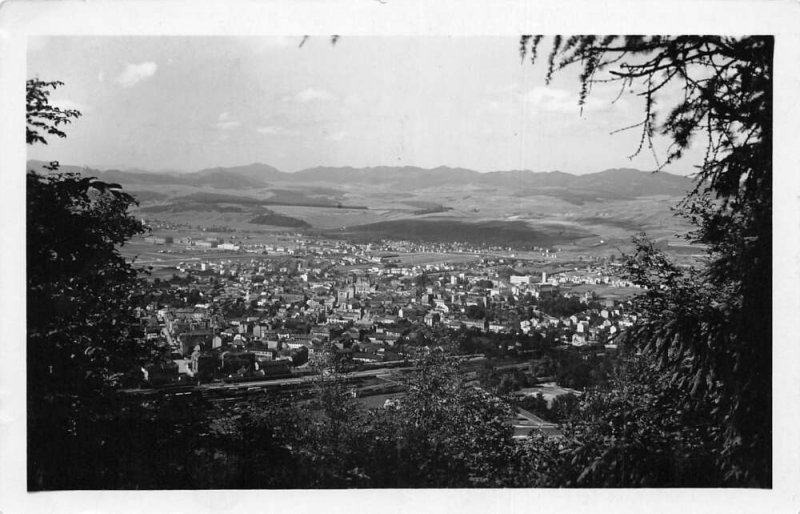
point(234, 308)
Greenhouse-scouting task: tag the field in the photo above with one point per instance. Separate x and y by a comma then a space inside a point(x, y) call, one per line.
point(159, 256)
point(607, 292)
point(503, 233)
point(169, 255)
point(504, 216)
point(421, 259)
point(336, 219)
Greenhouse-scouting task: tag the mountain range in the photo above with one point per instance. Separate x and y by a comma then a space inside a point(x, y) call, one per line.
point(608, 184)
point(519, 208)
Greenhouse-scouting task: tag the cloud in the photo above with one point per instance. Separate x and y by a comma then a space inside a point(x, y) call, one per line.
point(562, 101)
point(227, 125)
point(274, 130)
point(224, 122)
point(101, 77)
point(546, 99)
point(312, 95)
point(339, 135)
point(135, 73)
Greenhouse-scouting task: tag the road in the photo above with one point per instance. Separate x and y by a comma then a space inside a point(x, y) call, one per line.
point(527, 422)
point(221, 387)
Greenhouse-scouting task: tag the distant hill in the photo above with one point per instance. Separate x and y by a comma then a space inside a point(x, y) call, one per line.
point(609, 184)
point(631, 182)
point(519, 208)
point(240, 177)
point(406, 177)
point(530, 179)
point(254, 175)
point(38, 166)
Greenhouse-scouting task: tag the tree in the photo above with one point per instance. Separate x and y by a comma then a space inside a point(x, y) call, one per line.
point(42, 118)
point(564, 406)
point(535, 404)
point(194, 297)
point(422, 281)
point(441, 433)
point(638, 432)
point(82, 333)
point(300, 357)
point(475, 312)
point(709, 328)
point(449, 426)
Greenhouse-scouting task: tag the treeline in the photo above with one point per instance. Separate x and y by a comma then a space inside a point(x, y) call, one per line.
point(441, 433)
point(278, 220)
point(561, 306)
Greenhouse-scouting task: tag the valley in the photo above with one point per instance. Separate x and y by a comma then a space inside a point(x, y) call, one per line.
point(593, 214)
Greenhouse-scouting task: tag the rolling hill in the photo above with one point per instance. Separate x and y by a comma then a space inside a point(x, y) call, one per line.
point(612, 183)
point(412, 202)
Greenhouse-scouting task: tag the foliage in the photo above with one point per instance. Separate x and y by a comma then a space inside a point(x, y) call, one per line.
point(455, 432)
point(42, 118)
point(475, 312)
point(484, 284)
point(560, 306)
point(535, 404)
point(640, 431)
point(582, 370)
point(233, 308)
point(330, 361)
point(513, 381)
point(442, 433)
point(693, 328)
point(561, 410)
point(300, 356)
point(505, 272)
point(279, 220)
point(709, 328)
point(82, 334)
point(564, 406)
point(80, 289)
point(727, 86)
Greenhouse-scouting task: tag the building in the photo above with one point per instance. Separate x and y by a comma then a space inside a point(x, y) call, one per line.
point(518, 280)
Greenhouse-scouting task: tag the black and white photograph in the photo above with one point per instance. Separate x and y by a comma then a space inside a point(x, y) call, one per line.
point(418, 264)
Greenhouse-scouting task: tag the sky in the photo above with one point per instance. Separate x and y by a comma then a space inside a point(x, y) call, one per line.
point(185, 103)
